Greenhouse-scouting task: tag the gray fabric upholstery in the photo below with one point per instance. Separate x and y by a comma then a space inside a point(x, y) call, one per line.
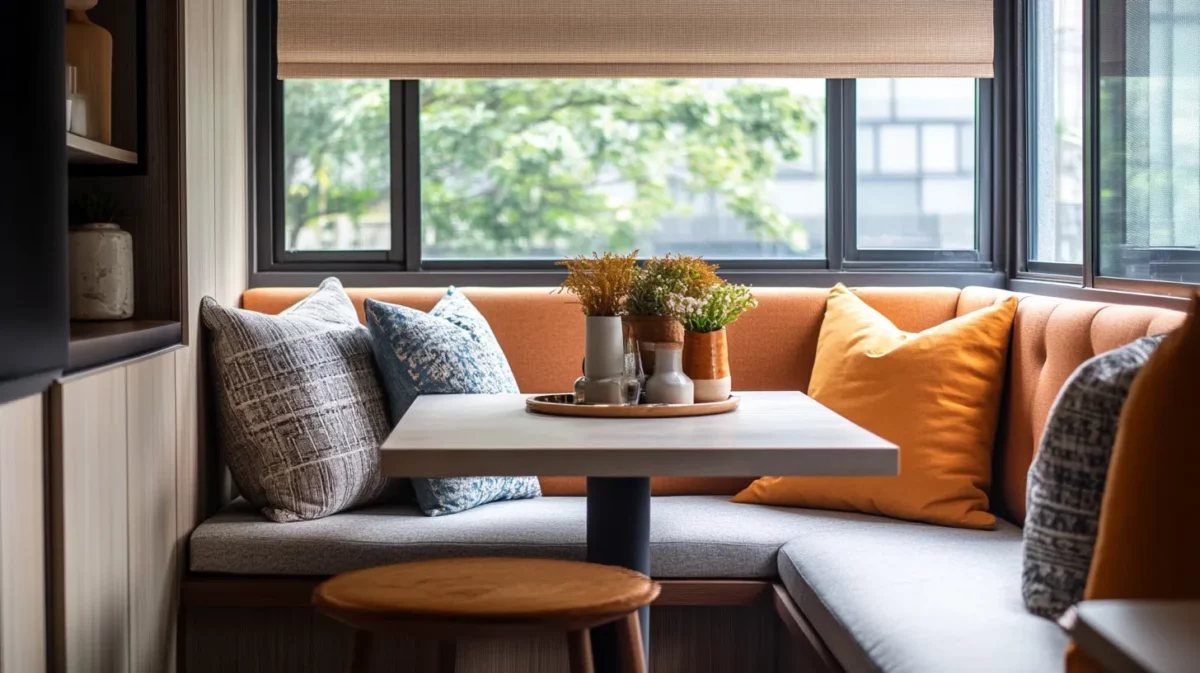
point(299, 404)
point(691, 536)
point(1066, 481)
point(904, 597)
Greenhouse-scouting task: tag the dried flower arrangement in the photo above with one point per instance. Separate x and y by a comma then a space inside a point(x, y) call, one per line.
point(670, 276)
point(720, 305)
point(601, 282)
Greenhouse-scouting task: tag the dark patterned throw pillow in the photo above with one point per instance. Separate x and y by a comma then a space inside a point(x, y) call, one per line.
point(451, 349)
point(299, 404)
point(1066, 481)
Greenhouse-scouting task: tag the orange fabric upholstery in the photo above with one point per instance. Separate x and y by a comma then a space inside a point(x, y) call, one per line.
point(1051, 337)
point(1145, 549)
point(658, 485)
point(774, 346)
point(541, 332)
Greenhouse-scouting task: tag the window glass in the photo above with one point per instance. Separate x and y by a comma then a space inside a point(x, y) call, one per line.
point(336, 165)
point(921, 134)
point(532, 169)
point(1056, 127)
point(1150, 139)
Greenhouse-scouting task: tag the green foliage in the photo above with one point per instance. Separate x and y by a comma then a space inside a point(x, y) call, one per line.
point(664, 277)
point(720, 305)
point(94, 206)
point(336, 158)
point(509, 166)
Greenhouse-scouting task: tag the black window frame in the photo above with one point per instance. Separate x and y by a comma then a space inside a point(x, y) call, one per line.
point(1030, 267)
point(272, 265)
point(1033, 275)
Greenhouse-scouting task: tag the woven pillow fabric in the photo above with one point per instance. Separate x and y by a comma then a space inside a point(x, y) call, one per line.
point(449, 350)
point(299, 403)
point(1067, 478)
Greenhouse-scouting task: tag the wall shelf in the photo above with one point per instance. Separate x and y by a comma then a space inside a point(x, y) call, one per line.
point(81, 150)
point(99, 343)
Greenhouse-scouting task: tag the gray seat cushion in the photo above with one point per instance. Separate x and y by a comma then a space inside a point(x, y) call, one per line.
point(691, 536)
point(904, 597)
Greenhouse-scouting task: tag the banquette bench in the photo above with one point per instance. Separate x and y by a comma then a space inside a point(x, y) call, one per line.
point(746, 587)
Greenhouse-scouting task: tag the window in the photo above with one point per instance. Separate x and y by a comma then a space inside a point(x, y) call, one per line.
point(336, 165)
point(1056, 133)
point(465, 175)
point(916, 164)
point(542, 168)
point(1149, 140)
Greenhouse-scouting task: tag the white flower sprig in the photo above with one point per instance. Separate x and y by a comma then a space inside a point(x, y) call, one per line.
point(720, 305)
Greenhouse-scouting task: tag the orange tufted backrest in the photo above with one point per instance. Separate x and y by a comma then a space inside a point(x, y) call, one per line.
point(541, 332)
point(1051, 338)
point(774, 346)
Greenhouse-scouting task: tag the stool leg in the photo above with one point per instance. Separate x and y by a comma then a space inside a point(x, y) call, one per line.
point(360, 652)
point(629, 635)
point(579, 650)
point(447, 655)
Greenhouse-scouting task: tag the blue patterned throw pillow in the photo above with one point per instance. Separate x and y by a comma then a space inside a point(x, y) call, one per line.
point(1067, 478)
point(449, 350)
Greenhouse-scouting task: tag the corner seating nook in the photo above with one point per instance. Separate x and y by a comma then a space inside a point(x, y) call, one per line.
point(744, 587)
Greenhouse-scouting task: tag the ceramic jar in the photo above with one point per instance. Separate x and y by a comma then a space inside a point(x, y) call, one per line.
point(668, 384)
point(706, 362)
point(101, 258)
point(604, 379)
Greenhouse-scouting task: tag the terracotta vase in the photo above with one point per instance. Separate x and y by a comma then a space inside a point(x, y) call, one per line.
point(706, 362)
point(650, 330)
point(90, 49)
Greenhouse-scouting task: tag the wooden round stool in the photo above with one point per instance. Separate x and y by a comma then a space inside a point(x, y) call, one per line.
point(452, 599)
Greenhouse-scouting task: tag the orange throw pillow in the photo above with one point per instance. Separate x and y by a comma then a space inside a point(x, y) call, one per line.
point(935, 394)
point(1148, 547)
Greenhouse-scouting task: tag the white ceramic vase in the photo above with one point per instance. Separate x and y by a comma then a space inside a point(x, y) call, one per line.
point(604, 378)
point(101, 257)
point(669, 385)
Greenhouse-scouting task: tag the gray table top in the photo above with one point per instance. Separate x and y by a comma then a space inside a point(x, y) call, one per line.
point(1140, 636)
point(777, 433)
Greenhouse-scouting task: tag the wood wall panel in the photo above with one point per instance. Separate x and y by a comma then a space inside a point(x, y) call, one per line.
point(231, 240)
point(90, 523)
point(200, 180)
point(153, 544)
point(218, 211)
point(22, 537)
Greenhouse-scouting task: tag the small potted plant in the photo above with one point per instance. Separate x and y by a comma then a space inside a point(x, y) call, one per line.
point(660, 281)
point(602, 284)
point(705, 346)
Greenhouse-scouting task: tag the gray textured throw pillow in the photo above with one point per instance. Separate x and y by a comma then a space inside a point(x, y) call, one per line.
point(300, 406)
point(1066, 481)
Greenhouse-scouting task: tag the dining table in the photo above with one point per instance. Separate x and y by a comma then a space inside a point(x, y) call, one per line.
point(779, 433)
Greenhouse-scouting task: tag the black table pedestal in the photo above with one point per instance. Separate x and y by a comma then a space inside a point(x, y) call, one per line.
point(618, 534)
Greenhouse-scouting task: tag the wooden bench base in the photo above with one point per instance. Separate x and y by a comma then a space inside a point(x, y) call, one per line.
point(800, 648)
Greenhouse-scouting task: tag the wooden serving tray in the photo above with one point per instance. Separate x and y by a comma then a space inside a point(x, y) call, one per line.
point(563, 404)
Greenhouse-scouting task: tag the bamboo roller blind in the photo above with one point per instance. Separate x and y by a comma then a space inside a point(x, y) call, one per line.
point(401, 39)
